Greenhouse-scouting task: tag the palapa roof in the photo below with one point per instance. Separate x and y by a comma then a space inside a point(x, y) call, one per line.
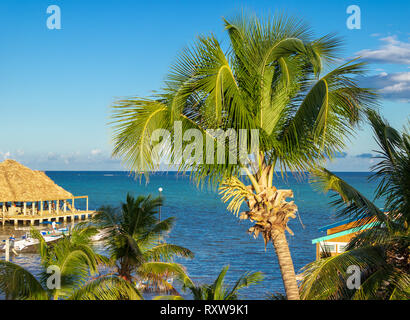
point(19, 183)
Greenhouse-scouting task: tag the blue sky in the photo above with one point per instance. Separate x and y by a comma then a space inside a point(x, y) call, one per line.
point(56, 86)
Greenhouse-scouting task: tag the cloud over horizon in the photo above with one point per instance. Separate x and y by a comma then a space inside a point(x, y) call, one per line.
point(364, 155)
point(392, 86)
point(392, 51)
point(95, 159)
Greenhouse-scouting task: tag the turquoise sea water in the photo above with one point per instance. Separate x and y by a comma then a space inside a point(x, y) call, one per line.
point(203, 224)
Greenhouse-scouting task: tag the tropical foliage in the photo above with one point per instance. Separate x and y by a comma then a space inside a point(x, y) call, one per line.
point(381, 252)
point(218, 290)
point(134, 240)
point(74, 258)
point(269, 80)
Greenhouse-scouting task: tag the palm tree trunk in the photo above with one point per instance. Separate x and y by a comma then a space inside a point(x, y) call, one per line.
point(286, 266)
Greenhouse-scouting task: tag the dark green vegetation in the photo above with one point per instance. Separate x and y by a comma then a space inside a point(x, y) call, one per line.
point(77, 263)
point(381, 252)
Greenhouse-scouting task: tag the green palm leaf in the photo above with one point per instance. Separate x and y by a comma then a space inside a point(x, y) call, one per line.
point(107, 288)
point(19, 284)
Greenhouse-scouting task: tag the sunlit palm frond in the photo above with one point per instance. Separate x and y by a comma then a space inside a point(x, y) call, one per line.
point(159, 268)
point(326, 114)
point(82, 232)
point(246, 280)
point(326, 278)
point(218, 290)
point(235, 192)
point(169, 297)
point(74, 267)
point(107, 288)
point(134, 122)
point(166, 252)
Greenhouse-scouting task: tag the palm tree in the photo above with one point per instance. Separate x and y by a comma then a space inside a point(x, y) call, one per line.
point(217, 290)
point(134, 241)
point(269, 80)
point(381, 252)
point(18, 283)
point(77, 264)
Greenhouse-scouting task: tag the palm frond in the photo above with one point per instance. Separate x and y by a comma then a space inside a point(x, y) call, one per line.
point(170, 297)
point(234, 190)
point(326, 278)
point(166, 252)
point(351, 202)
point(107, 288)
point(19, 284)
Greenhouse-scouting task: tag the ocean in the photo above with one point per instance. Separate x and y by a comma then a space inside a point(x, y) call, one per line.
point(203, 225)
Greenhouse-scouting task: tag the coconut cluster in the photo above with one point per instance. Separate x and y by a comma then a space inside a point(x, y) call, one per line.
point(270, 210)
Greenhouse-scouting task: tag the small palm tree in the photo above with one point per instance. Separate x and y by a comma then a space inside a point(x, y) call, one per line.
point(18, 283)
point(73, 255)
point(133, 236)
point(75, 260)
point(217, 290)
point(381, 252)
point(270, 80)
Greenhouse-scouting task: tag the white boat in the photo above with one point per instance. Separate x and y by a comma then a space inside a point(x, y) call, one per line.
point(27, 244)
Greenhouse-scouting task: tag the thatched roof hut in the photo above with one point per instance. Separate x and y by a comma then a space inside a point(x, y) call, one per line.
point(21, 184)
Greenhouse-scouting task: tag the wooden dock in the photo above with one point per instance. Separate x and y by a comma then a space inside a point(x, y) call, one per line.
point(46, 216)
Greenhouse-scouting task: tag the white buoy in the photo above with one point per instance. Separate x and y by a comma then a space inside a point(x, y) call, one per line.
point(159, 209)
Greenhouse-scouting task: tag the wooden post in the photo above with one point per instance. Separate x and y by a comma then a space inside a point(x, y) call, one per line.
point(7, 250)
point(33, 207)
point(41, 208)
point(86, 209)
point(49, 206)
point(58, 206)
point(65, 206)
point(3, 213)
point(25, 208)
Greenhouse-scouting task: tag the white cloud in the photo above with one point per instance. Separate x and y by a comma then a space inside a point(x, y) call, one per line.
point(350, 163)
point(391, 51)
point(6, 155)
point(392, 86)
point(96, 152)
point(52, 156)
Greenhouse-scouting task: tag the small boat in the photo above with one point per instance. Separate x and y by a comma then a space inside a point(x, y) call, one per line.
point(28, 244)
